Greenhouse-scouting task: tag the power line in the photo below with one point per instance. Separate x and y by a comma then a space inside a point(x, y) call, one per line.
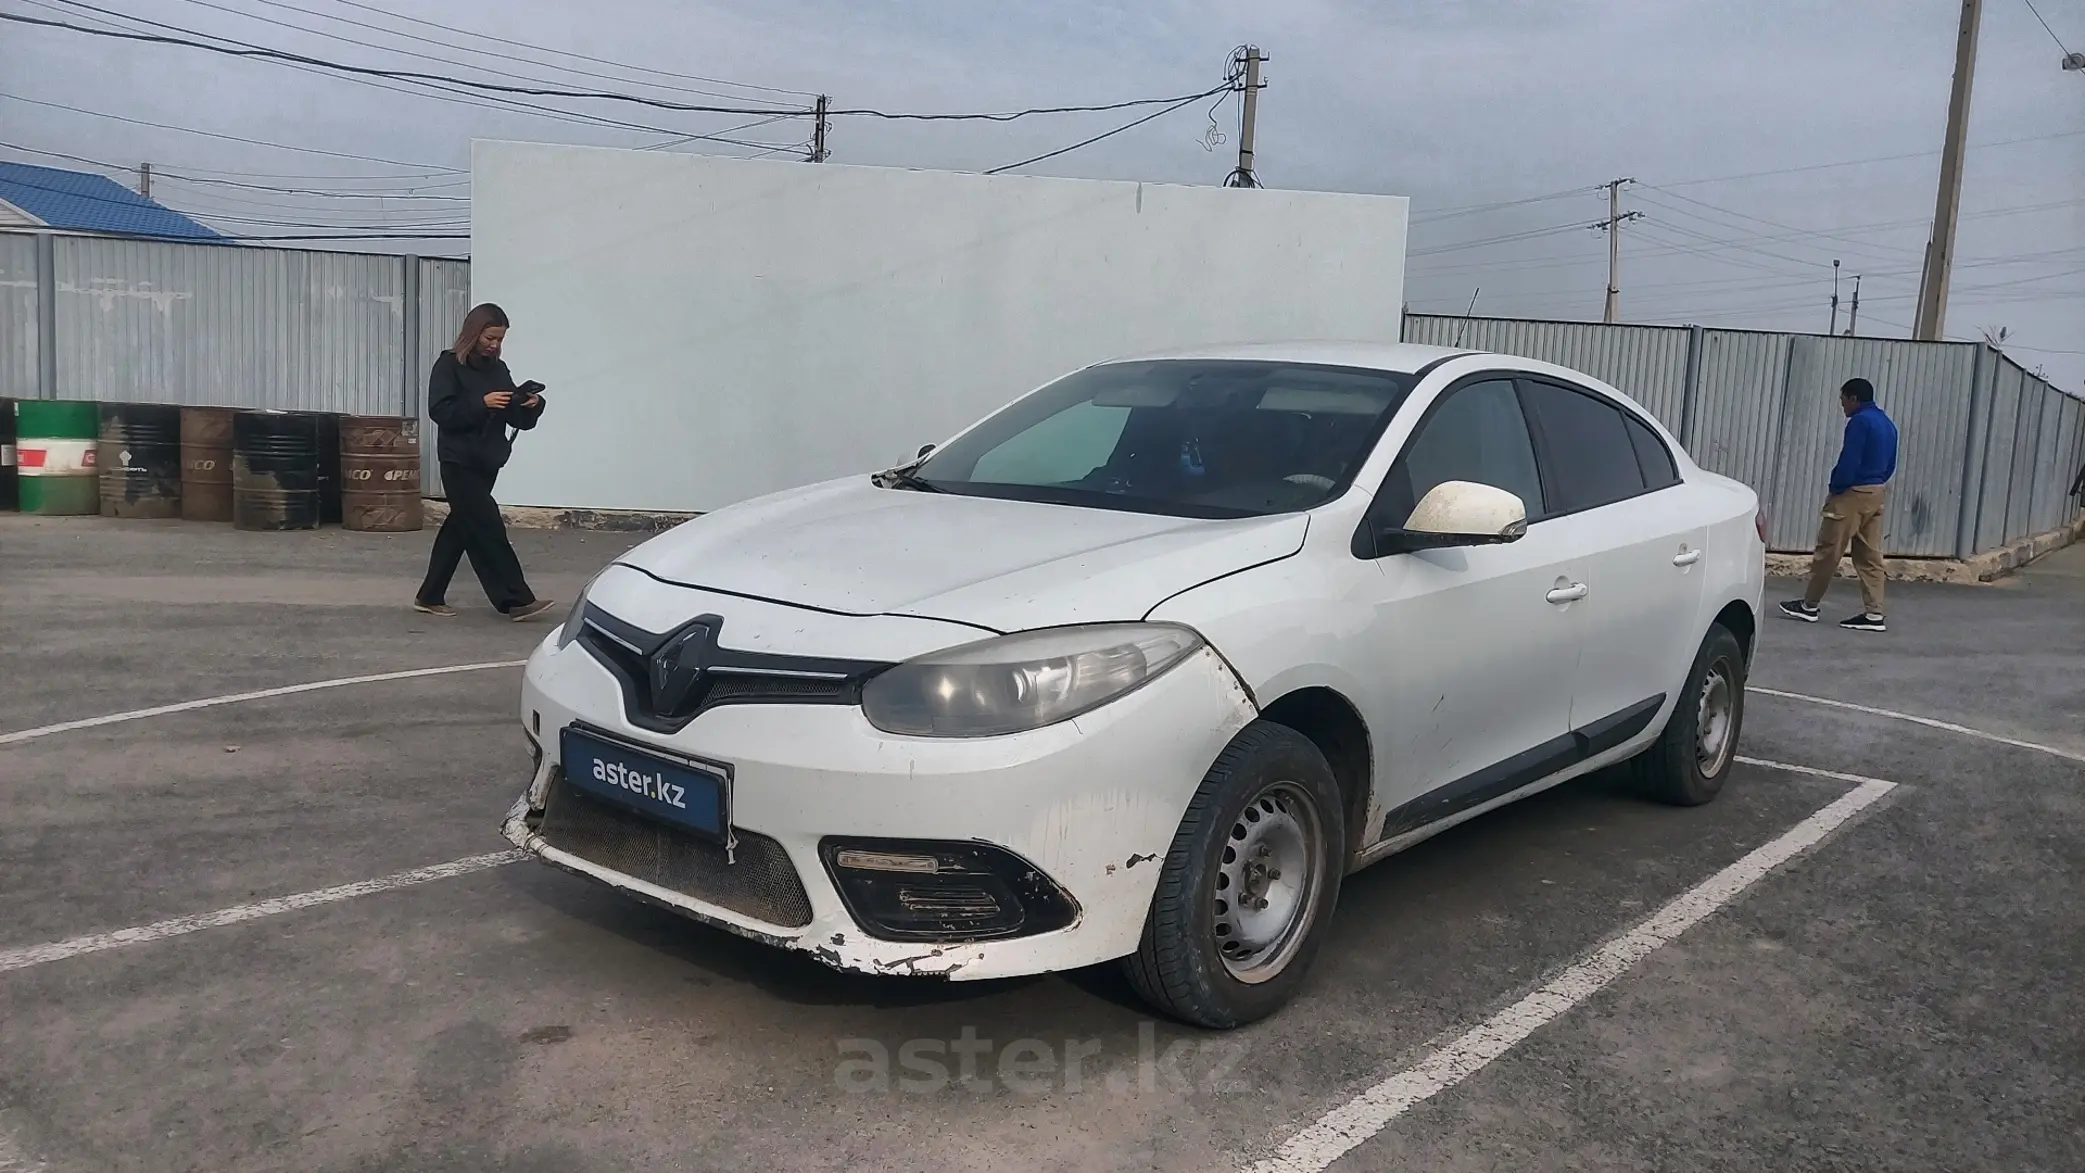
point(2045, 24)
point(270, 54)
point(1452, 212)
point(1087, 142)
point(441, 91)
point(563, 115)
point(2008, 142)
point(1772, 223)
point(182, 175)
point(1488, 241)
point(230, 137)
point(130, 202)
point(479, 35)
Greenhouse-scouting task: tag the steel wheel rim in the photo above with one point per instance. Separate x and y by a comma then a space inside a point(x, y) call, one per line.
point(1265, 896)
point(1715, 720)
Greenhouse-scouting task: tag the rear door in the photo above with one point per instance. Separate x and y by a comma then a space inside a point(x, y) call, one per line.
point(1614, 485)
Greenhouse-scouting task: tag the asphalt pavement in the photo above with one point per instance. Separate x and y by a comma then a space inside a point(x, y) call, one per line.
point(1900, 995)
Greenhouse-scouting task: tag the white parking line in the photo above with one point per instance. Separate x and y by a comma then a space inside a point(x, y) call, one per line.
point(1347, 1126)
point(1914, 719)
point(25, 956)
point(236, 697)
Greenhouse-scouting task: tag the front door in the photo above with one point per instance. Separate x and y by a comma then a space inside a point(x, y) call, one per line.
point(1474, 647)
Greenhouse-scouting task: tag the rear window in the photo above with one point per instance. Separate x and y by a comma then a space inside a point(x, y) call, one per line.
point(1652, 456)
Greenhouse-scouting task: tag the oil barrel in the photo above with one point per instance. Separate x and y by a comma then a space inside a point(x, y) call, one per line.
point(139, 460)
point(380, 473)
point(275, 470)
point(206, 463)
point(10, 481)
point(329, 468)
point(54, 452)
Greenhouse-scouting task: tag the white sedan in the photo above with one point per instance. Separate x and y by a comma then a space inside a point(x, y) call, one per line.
point(1142, 665)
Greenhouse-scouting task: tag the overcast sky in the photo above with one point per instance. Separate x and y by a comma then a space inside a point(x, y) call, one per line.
point(1458, 105)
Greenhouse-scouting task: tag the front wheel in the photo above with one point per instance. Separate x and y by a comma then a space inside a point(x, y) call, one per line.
point(1248, 884)
point(1688, 763)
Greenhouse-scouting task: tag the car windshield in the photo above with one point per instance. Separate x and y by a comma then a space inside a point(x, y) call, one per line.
point(1192, 438)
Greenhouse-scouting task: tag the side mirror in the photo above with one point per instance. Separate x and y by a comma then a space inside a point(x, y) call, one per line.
point(1457, 513)
point(923, 450)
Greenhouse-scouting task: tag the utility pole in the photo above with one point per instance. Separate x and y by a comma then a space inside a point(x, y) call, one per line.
point(1613, 226)
point(1853, 320)
point(1835, 298)
point(1940, 247)
point(818, 152)
point(1243, 176)
point(145, 180)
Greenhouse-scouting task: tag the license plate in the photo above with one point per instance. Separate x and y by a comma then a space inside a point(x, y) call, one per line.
point(683, 794)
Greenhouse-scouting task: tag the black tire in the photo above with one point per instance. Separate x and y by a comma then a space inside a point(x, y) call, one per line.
point(1673, 769)
point(1179, 967)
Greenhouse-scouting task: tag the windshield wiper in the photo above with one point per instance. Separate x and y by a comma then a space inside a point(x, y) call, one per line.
point(905, 478)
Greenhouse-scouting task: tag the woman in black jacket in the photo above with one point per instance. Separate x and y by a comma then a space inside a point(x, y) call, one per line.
point(474, 401)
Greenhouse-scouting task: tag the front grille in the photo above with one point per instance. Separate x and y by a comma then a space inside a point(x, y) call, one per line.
point(728, 676)
point(762, 883)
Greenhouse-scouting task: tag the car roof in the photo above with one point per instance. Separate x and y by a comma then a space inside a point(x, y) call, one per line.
point(1402, 357)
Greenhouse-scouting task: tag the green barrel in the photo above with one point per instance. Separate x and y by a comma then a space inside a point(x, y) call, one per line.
point(54, 452)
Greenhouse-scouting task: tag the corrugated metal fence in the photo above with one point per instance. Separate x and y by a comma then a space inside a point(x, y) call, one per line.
point(1986, 451)
point(134, 321)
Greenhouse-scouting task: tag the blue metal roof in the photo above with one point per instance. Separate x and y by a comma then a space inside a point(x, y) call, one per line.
point(80, 202)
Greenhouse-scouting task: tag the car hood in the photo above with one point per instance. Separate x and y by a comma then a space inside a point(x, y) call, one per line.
point(851, 547)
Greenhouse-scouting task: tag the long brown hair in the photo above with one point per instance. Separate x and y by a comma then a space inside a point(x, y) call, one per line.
point(480, 319)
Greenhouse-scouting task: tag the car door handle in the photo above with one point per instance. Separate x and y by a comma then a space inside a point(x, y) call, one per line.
point(1567, 594)
point(1686, 557)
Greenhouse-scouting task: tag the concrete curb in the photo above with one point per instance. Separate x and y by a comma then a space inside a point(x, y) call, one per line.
point(531, 517)
point(1989, 566)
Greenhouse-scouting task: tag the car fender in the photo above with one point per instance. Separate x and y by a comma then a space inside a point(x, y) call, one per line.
point(1282, 628)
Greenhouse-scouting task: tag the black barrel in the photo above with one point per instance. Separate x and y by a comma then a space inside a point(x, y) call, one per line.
point(206, 463)
point(329, 469)
point(276, 470)
point(139, 458)
point(10, 482)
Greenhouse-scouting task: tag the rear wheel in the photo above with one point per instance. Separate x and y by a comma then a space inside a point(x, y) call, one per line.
point(1247, 885)
point(1688, 763)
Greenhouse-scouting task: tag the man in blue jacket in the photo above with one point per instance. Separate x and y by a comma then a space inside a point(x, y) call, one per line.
point(1853, 511)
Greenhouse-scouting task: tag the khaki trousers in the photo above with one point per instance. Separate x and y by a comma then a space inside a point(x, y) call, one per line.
point(1854, 516)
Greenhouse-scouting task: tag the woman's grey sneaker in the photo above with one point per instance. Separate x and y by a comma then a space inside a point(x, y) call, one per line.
point(530, 610)
point(442, 609)
point(1864, 623)
point(1797, 609)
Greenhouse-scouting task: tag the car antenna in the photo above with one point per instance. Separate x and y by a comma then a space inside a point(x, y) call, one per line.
point(1466, 314)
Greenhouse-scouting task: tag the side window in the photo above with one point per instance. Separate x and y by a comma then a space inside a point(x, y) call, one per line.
point(1478, 434)
point(1061, 450)
point(1588, 460)
point(1659, 471)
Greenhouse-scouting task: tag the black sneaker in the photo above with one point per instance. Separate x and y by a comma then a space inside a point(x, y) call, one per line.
point(1864, 622)
point(1797, 609)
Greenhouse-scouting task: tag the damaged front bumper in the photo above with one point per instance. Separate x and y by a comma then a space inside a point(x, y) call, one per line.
point(1090, 806)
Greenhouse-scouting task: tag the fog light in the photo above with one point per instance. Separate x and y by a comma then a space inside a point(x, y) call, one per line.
point(885, 861)
point(905, 890)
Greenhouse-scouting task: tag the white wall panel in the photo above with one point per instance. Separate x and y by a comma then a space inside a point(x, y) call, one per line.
point(712, 329)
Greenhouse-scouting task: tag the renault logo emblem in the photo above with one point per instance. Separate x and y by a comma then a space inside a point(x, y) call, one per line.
point(677, 667)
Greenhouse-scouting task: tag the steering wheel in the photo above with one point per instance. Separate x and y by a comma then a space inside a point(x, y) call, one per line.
point(1309, 478)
